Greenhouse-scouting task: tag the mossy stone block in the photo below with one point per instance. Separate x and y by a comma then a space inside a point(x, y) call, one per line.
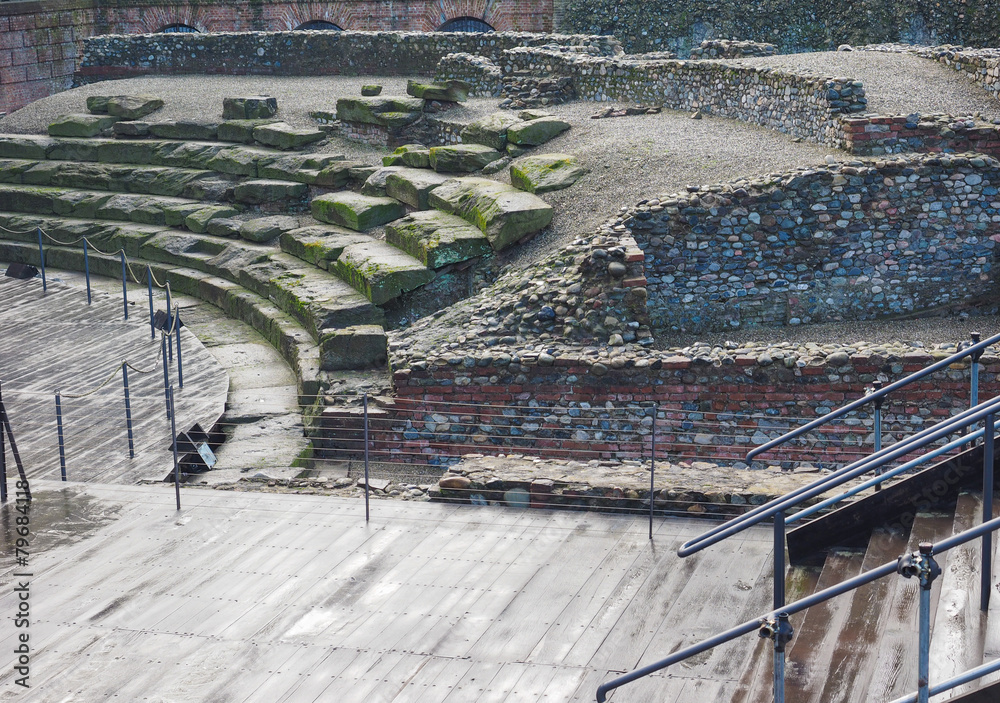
point(448, 91)
point(80, 125)
point(198, 220)
point(356, 211)
point(319, 245)
point(283, 136)
point(382, 111)
point(185, 129)
point(252, 107)
point(359, 347)
point(241, 130)
point(437, 238)
point(265, 190)
point(380, 271)
point(413, 185)
point(132, 107)
point(462, 158)
point(546, 172)
point(490, 131)
point(535, 132)
point(264, 229)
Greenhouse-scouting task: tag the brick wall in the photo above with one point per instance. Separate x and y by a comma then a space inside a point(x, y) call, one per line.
point(41, 41)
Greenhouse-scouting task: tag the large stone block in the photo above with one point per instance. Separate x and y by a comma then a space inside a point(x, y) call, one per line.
point(264, 190)
point(535, 132)
point(490, 131)
point(254, 107)
point(462, 158)
point(264, 229)
point(358, 347)
point(241, 130)
point(356, 211)
point(413, 185)
point(383, 111)
point(184, 129)
point(133, 107)
point(503, 213)
point(546, 172)
point(380, 271)
point(448, 91)
point(23, 146)
point(437, 238)
point(375, 184)
point(283, 136)
point(318, 244)
point(81, 125)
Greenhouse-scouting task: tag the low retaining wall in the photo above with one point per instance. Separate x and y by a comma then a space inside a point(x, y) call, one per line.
point(301, 53)
point(838, 242)
point(801, 104)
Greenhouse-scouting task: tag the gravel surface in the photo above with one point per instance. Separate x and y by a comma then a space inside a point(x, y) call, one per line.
point(895, 84)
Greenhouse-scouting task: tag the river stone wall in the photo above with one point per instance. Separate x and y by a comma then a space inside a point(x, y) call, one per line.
point(851, 241)
point(301, 53)
point(802, 104)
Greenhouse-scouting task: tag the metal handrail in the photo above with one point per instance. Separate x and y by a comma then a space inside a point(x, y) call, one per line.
point(843, 475)
point(964, 678)
point(800, 605)
point(875, 395)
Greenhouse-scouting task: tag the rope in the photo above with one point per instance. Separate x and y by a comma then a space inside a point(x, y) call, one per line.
point(15, 231)
point(65, 244)
point(91, 392)
point(104, 253)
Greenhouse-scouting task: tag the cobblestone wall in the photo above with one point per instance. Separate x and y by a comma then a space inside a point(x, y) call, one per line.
point(300, 53)
point(842, 242)
point(802, 104)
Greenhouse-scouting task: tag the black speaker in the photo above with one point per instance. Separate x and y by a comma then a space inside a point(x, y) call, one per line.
point(21, 271)
point(162, 320)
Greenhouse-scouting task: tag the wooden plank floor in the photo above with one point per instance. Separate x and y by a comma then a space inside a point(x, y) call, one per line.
point(272, 597)
point(56, 341)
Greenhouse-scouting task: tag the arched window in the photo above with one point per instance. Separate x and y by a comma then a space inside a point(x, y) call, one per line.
point(179, 28)
point(465, 24)
point(321, 25)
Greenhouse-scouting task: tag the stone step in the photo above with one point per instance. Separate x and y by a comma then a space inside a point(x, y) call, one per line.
point(319, 300)
point(320, 245)
point(503, 213)
point(67, 231)
point(213, 255)
point(107, 205)
point(220, 157)
point(436, 238)
point(296, 345)
point(380, 271)
point(356, 211)
point(197, 184)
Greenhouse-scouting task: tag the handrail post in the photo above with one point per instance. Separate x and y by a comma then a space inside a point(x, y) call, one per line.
point(170, 341)
point(974, 373)
point(124, 286)
point(166, 373)
point(128, 411)
point(149, 281)
point(41, 260)
point(779, 560)
point(3, 458)
point(652, 468)
point(173, 436)
point(921, 564)
point(877, 420)
point(782, 637)
point(180, 365)
point(367, 487)
point(86, 267)
point(59, 433)
point(986, 573)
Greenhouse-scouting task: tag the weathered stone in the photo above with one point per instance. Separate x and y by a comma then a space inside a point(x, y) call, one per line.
point(370, 91)
point(303, 168)
point(336, 175)
point(356, 347)
point(283, 136)
point(490, 131)
point(356, 211)
point(451, 482)
point(380, 271)
point(462, 158)
point(264, 229)
point(133, 107)
point(130, 129)
point(448, 91)
point(535, 132)
point(383, 111)
point(503, 213)
point(198, 220)
point(185, 129)
point(546, 172)
point(413, 185)
point(224, 227)
point(437, 238)
point(81, 125)
point(533, 114)
point(253, 107)
point(260, 191)
point(98, 104)
point(318, 244)
point(17, 146)
point(241, 130)
point(375, 184)
point(238, 161)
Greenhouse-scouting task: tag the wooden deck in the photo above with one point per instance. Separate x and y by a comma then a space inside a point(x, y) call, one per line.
point(56, 341)
point(269, 597)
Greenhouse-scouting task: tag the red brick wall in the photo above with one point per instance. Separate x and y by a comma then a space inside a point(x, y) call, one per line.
point(40, 40)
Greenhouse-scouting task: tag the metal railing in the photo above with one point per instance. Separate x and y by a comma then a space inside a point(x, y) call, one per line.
point(775, 625)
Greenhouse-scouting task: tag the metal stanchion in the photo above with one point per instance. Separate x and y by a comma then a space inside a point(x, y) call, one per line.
point(59, 433)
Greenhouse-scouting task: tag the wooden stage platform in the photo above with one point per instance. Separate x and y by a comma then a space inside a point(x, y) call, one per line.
point(272, 597)
point(56, 341)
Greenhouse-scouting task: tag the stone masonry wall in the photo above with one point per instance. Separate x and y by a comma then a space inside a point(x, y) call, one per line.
point(299, 53)
point(801, 104)
point(981, 65)
point(40, 40)
point(842, 242)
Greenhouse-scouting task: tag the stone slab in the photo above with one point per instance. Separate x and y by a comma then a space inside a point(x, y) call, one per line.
point(437, 238)
point(356, 211)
